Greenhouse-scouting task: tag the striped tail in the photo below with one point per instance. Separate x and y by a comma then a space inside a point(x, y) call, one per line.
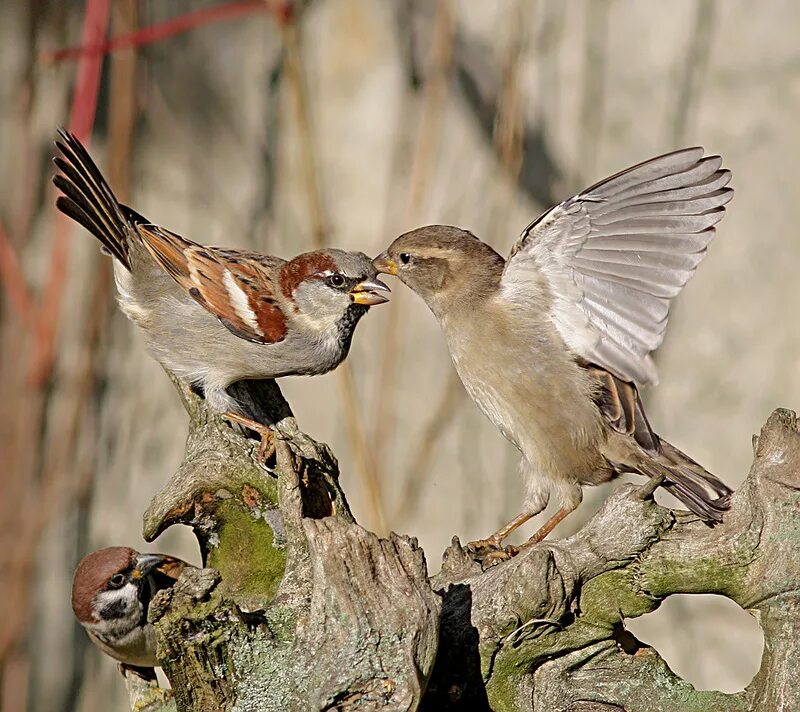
point(88, 198)
point(703, 494)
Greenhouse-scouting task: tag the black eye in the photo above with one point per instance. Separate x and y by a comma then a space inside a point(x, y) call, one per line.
point(116, 581)
point(405, 257)
point(336, 281)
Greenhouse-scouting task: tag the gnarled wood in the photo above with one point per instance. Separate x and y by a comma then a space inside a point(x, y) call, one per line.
point(352, 621)
point(302, 608)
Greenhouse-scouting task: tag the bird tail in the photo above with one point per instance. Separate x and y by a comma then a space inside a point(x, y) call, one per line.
point(703, 494)
point(88, 199)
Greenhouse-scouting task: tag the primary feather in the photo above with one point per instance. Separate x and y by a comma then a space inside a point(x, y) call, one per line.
point(614, 256)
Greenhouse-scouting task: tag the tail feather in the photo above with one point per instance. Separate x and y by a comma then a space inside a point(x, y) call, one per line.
point(88, 199)
point(704, 494)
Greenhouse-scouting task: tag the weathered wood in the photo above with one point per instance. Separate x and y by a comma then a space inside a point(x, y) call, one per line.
point(303, 609)
point(547, 628)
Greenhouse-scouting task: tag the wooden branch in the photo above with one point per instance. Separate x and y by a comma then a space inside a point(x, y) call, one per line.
point(546, 630)
point(303, 609)
point(306, 610)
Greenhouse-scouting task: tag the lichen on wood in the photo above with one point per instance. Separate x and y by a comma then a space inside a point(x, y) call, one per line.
point(300, 608)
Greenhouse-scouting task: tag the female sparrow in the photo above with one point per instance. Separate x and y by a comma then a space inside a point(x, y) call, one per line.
point(111, 592)
point(212, 315)
point(553, 343)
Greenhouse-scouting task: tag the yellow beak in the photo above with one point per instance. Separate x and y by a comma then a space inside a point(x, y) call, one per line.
point(384, 264)
point(366, 292)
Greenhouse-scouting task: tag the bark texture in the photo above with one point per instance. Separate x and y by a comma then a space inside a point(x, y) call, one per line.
point(303, 609)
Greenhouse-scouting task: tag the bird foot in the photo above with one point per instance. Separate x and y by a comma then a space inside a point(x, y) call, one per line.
point(489, 552)
point(266, 448)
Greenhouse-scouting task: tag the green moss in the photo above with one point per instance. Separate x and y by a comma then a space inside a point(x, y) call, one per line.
point(608, 598)
point(662, 577)
point(250, 564)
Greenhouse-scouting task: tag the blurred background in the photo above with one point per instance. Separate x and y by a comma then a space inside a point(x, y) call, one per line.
point(283, 126)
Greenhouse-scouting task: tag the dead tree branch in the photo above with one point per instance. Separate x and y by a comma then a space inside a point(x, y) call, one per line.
point(303, 609)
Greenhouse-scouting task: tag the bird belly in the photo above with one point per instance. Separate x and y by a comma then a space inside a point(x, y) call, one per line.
point(193, 344)
point(543, 407)
point(137, 648)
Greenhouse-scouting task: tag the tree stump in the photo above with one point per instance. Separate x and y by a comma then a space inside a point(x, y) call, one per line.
point(300, 608)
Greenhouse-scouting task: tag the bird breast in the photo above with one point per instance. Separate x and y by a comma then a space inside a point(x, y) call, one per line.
point(527, 383)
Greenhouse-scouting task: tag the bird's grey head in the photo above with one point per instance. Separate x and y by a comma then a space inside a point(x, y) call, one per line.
point(332, 288)
point(111, 590)
point(442, 263)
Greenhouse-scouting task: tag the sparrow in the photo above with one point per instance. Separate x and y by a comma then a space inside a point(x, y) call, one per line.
point(111, 592)
point(554, 343)
point(214, 315)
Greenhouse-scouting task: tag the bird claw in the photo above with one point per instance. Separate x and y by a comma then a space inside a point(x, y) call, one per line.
point(266, 448)
point(489, 552)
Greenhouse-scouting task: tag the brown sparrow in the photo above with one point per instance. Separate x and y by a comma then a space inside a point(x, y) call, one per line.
point(111, 592)
point(211, 315)
point(553, 343)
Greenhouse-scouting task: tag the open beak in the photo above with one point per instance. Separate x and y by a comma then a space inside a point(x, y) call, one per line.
point(147, 563)
point(384, 264)
point(366, 292)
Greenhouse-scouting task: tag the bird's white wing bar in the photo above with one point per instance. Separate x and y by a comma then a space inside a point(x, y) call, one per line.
point(614, 256)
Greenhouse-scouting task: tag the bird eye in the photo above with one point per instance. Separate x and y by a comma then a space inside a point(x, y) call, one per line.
point(336, 281)
point(405, 258)
point(116, 581)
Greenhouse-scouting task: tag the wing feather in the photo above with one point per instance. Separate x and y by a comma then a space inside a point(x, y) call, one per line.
point(613, 257)
point(233, 285)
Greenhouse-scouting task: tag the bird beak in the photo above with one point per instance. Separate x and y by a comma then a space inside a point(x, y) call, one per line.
point(147, 563)
point(366, 292)
point(384, 264)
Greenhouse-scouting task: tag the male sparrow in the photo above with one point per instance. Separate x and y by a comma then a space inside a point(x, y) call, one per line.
point(553, 343)
point(214, 316)
point(111, 592)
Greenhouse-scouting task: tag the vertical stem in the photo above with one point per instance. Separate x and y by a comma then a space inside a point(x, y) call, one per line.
point(82, 113)
point(425, 153)
point(295, 73)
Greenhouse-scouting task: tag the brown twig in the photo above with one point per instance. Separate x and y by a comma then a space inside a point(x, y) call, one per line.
point(62, 479)
point(507, 137)
point(417, 471)
point(425, 153)
point(593, 95)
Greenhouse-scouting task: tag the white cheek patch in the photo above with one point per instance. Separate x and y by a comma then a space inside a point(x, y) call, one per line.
point(122, 612)
point(240, 302)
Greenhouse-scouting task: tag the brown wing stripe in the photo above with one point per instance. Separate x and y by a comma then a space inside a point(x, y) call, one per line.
point(620, 404)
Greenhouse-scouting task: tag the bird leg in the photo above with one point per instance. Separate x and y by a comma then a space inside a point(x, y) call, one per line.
point(266, 448)
point(491, 549)
point(548, 526)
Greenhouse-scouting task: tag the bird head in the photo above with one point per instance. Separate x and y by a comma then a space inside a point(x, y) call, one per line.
point(112, 587)
point(327, 286)
point(442, 264)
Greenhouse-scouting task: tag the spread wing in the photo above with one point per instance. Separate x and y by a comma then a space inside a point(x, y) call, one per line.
point(234, 285)
point(613, 257)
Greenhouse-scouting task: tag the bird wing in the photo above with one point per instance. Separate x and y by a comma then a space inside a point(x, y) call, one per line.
point(235, 286)
point(613, 257)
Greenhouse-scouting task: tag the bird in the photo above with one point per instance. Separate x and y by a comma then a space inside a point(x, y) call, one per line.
point(554, 343)
point(111, 592)
point(212, 315)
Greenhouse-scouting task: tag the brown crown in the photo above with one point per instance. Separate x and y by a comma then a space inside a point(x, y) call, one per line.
point(92, 575)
